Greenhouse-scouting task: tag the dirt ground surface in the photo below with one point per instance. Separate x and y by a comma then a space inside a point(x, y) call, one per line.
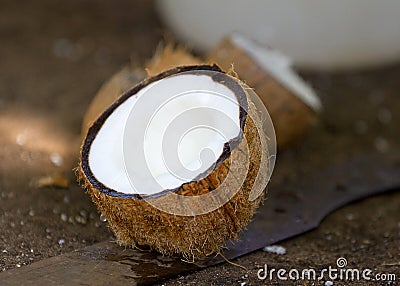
point(55, 55)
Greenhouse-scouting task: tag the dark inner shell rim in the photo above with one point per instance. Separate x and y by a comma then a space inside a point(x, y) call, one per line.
point(219, 77)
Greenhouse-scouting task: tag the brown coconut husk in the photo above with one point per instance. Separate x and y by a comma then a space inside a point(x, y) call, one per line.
point(136, 222)
point(290, 115)
point(169, 56)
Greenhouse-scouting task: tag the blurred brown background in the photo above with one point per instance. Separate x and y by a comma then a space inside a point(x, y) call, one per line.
point(54, 56)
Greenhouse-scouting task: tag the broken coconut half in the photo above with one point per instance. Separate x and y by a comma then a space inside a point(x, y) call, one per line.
point(291, 102)
point(180, 162)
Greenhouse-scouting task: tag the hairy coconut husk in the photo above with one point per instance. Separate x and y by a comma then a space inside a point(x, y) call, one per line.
point(136, 222)
point(289, 113)
point(169, 56)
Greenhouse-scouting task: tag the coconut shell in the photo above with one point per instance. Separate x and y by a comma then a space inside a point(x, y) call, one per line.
point(290, 115)
point(166, 57)
point(112, 89)
point(135, 222)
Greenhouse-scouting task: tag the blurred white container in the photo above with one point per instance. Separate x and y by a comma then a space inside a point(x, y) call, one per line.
point(316, 34)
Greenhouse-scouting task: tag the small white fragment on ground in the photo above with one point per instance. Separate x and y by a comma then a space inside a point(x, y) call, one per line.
point(21, 139)
point(80, 219)
point(61, 241)
point(103, 218)
point(328, 283)
point(56, 159)
point(64, 217)
point(277, 249)
point(18, 265)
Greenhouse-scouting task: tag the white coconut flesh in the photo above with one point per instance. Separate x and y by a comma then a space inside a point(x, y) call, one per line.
point(192, 117)
point(280, 67)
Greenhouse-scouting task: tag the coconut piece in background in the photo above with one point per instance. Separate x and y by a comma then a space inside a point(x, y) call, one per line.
point(55, 180)
point(191, 216)
point(291, 102)
point(169, 56)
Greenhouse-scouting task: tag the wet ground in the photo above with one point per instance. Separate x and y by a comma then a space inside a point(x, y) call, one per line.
point(54, 56)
